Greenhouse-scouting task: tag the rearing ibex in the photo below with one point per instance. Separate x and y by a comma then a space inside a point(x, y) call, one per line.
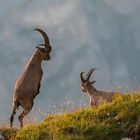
point(28, 84)
point(96, 97)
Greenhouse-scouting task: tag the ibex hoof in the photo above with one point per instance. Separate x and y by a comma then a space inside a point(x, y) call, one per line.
point(20, 121)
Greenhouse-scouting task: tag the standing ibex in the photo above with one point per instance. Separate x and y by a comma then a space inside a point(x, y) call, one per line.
point(28, 84)
point(96, 97)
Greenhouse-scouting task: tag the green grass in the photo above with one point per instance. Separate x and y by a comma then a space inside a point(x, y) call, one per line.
point(111, 121)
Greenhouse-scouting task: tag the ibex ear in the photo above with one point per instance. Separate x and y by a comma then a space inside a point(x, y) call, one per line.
point(92, 82)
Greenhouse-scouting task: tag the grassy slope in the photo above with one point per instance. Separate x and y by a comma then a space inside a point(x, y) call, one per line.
point(107, 122)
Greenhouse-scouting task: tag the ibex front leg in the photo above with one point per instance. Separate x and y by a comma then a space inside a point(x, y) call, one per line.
point(93, 102)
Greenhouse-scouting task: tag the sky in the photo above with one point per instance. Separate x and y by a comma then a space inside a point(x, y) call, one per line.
point(83, 34)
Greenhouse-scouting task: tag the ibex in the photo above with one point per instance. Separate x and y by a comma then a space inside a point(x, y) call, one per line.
point(96, 97)
point(28, 84)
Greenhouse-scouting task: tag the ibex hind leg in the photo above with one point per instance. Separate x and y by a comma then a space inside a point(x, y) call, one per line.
point(26, 110)
point(15, 107)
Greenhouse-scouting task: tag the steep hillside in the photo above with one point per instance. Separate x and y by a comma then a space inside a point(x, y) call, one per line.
point(112, 121)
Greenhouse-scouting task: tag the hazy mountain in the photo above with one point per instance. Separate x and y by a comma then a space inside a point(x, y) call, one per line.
point(83, 34)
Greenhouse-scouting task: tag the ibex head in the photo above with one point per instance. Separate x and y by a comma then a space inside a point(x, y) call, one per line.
point(45, 52)
point(85, 81)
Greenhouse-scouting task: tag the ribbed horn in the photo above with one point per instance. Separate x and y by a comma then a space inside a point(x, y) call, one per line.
point(90, 73)
point(46, 39)
point(82, 78)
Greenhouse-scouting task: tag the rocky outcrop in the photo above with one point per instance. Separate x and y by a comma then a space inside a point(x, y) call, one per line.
point(126, 138)
point(1, 137)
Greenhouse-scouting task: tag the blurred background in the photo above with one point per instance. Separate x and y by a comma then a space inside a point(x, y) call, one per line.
point(83, 34)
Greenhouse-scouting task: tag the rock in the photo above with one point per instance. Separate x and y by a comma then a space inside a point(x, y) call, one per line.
point(1, 137)
point(126, 138)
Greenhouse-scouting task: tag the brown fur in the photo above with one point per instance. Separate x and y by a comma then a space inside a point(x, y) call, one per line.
point(96, 97)
point(28, 84)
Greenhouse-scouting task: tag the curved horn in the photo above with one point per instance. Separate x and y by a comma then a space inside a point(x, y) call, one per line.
point(90, 72)
point(82, 78)
point(92, 82)
point(46, 39)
